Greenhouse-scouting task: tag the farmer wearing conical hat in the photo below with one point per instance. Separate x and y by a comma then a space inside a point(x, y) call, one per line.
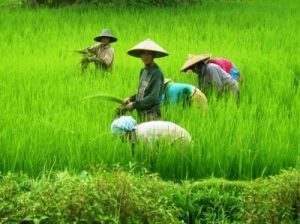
point(147, 100)
point(175, 92)
point(102, 55)
point(210, 74)
point(228, 67)
point(149, 132)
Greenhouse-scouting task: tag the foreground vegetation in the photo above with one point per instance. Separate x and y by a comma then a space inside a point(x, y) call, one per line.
point(122, 197)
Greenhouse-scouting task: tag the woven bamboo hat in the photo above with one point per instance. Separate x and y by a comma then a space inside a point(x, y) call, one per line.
point(147, 45)
point(194, 59)
point(167, 80)
point(106, 33)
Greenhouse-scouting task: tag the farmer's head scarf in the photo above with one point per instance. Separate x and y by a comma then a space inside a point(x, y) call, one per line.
point(122, 125)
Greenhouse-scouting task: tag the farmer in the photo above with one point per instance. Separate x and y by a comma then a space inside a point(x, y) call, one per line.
point(175, 92)
point(210, 74)
point(149, 132)
point(147, 101)
point(228, 67)
point(102, 55)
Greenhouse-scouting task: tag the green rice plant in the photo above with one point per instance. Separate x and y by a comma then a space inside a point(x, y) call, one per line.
point(45, 124)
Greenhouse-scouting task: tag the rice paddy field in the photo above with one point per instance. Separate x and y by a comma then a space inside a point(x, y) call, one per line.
point(45, 125)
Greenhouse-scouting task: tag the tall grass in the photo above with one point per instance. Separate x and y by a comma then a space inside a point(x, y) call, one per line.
point(45, 124)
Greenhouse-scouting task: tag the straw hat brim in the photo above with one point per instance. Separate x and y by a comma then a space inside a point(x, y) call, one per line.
point(112, 39)
point(166, 81)
point(194, 60)
point(147, 45)
point(137, 53)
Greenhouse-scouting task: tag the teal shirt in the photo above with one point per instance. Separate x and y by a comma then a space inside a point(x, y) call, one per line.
point(177, 91)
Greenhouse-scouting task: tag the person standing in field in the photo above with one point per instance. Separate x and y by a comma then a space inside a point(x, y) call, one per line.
point(102, 55)
point(210, 74)
point(180, 92)
point(147, 100)
point(151, 133)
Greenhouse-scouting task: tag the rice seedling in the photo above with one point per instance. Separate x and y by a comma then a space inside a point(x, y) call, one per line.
point(45, 124)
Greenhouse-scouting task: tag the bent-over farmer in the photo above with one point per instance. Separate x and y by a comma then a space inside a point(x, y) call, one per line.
point(147, 100)
point(210, 74)
point(102, 54)
point(149, 132)
point(228, 67)
point(181, 92)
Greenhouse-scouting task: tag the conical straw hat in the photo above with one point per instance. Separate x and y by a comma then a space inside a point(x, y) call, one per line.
point(106, 33)
point(147, 45)
point(194, 59)
point(167, 80)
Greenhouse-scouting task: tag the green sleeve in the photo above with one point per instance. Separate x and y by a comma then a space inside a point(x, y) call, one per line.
point(133, 97)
